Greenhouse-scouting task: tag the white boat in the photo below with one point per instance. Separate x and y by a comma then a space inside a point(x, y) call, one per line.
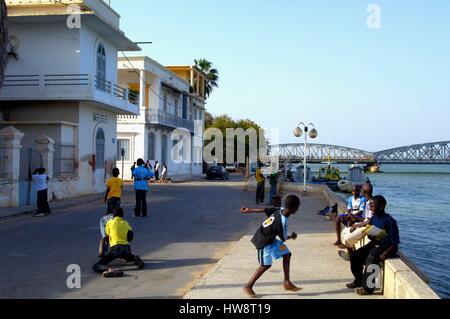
point(294, 173)
point(355, 176)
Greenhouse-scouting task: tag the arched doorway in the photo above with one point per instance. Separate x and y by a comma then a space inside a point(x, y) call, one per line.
point(100, 149)
point(101, 68)
point(151, 146)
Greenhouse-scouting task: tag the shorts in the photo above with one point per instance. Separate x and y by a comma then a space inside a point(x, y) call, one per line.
point(272, 252)
point(344, 219)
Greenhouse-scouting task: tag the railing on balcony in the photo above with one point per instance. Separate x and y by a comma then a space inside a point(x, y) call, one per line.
point(61, 86)
point(127, 117)
point(21, 81)
point(171, 120)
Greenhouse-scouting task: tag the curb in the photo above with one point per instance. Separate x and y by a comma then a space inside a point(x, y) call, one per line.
point(33, 210)
point(16, 215)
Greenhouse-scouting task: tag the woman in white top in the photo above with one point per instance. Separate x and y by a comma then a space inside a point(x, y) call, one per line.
point(41, 179)
point(164, 174)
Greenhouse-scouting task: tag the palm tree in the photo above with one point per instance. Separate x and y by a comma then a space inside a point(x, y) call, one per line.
point(3, 40)
point(212, 75)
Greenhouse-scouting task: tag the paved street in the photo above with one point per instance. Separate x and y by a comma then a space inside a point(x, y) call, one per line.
point(315, 265)
point(190, 228)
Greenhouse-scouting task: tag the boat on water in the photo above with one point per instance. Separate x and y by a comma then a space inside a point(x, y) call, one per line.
point(294, 173)
point(372, 169)
point(328, 175)
point(355, 176)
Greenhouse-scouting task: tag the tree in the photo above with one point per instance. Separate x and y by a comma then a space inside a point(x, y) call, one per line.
point(222, 122)
point(209, 120)
point(3, 40)
point(212, 75)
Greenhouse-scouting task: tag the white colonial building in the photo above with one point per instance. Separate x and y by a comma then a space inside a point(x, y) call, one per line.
point(61, 97)
point(170, 126)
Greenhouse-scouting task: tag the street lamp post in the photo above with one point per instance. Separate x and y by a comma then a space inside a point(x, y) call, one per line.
point(122, 152)
point(298, 132)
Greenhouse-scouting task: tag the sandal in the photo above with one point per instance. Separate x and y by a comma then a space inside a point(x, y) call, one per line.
point(112, 273)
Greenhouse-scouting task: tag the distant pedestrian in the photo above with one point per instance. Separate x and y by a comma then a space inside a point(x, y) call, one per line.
point(141, 176)
point(156, 171)
point(40, 178)
point(148, 165)
point(113, 193)
point(164, 174)
point(260, 184)
point(273, 181)
point(132, 169)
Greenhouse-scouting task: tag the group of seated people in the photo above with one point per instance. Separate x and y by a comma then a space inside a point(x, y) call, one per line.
point(366, 217)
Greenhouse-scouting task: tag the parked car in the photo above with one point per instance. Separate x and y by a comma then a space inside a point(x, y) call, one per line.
point(230, 168)
point(217, 172)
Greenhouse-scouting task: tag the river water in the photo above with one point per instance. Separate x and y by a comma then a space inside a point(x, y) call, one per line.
point(419, 198)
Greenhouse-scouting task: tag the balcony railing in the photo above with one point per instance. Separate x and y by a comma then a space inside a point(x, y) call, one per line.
point(170, 120)
point(68, 87)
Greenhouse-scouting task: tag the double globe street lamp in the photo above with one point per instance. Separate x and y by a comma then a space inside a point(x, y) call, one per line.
point(312, 132)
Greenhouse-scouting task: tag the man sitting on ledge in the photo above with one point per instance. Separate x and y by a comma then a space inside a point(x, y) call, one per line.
point(119, 234)
point(366, 260)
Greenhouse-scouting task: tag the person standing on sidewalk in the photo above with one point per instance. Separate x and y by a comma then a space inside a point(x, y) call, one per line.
point(114, 191)
point(164, 174)
point(260, 185)
point(273, 181)
point(156, 170)
point(132, 169)
point(40, 178)
point(141, 176)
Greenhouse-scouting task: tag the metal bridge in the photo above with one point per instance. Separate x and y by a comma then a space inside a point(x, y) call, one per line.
point(430, 153)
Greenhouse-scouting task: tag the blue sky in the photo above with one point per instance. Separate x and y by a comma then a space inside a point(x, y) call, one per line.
point(286, 61)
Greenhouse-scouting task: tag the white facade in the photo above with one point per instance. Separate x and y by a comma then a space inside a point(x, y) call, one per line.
point(64, 84)
point(167, 110)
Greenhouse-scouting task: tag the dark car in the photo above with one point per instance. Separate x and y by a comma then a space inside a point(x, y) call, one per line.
point(217, 172)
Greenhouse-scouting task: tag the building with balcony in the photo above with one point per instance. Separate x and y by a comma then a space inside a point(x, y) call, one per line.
point(62, 83)
point(196, 79)
point(169, 128)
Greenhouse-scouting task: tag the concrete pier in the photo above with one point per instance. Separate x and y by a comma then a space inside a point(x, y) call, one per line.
point(316, 265)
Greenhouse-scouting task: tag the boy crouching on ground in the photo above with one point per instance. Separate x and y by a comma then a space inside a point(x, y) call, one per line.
point(119, 235)
point(269, 247)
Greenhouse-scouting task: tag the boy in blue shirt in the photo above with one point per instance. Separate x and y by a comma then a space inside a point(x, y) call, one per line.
point(356, 207)
point(269, 247)
point(141, 176)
